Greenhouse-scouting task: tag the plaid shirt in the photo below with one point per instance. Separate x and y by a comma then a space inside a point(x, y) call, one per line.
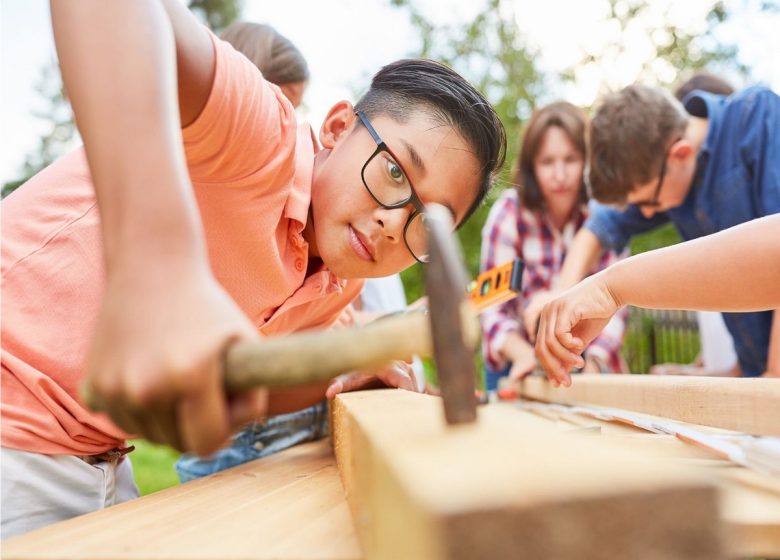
point(512, 231)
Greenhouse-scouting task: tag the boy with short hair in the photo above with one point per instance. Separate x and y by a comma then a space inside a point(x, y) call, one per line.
point(705, 168)
point(219, 219)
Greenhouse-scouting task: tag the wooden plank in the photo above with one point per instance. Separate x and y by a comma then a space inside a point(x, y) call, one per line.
point(750, 506)
point(509, 486)
point(289, 505)
point(748, 405)
point(749, 502)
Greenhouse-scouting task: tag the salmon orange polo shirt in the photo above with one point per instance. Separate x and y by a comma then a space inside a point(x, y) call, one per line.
point(251, 168)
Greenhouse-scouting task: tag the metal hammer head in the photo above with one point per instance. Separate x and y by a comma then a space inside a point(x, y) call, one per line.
point(451, 318)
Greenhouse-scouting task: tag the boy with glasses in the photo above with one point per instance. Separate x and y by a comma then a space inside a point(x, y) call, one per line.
point(199, 213)
point(706, 167)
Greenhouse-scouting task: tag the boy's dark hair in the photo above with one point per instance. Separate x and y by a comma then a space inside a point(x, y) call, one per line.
point(571, 120)
point(703, 82)
point(629, 136)
point(408, 85)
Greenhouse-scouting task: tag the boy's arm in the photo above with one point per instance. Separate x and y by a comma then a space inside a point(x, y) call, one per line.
point(606, 228)
point(582, 256)
point(155, 362)
point(734, 270)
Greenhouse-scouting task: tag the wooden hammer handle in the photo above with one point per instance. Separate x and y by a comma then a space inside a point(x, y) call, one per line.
point(318, 356)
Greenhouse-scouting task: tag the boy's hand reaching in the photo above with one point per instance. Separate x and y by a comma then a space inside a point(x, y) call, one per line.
point(569, 323)
point(533, 311)
point(156, 359)
point(399, 375)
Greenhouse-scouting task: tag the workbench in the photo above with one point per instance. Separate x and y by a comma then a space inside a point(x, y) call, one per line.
point(530, 490)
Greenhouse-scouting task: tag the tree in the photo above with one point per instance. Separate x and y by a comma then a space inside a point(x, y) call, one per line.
point(217, 14)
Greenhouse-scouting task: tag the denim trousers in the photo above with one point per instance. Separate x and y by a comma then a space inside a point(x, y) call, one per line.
point(492, 377)
point(259, 439)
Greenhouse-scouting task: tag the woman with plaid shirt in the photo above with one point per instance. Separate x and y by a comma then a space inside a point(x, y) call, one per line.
point(536, 222)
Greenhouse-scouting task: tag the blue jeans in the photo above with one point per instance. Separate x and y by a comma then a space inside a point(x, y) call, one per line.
point(258, 440)
point(492, 377)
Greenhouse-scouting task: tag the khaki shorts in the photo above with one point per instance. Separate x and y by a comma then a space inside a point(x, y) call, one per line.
point(38, 490)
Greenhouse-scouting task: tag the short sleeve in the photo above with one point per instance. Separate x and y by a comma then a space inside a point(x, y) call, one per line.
point(246, 126)
point(614, 228)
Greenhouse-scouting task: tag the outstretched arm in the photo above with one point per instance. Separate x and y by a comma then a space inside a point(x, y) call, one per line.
point(734, 270)
point(155, 363)
point(581, 257)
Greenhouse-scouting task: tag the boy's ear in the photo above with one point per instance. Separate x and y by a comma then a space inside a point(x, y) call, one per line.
point(337, 123)
point(682, 150)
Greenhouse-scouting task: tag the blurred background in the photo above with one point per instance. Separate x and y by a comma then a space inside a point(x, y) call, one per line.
point(520, 53)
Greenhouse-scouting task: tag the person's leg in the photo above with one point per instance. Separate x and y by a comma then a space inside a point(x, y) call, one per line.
point(492, 377)
point(258, 440)
point(38, 490)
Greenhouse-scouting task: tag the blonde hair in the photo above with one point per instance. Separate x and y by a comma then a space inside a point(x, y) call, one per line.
point(274, 54)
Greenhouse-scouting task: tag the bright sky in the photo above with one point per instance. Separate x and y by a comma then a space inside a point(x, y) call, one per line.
point(345, 41)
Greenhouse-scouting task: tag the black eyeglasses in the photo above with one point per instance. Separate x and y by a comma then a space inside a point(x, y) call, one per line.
point(389, 185)
point(653, 202)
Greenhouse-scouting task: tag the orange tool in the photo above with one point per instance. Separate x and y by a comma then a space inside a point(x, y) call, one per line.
point(497, 285)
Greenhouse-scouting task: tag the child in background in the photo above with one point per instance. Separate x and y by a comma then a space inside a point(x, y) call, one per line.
point(717, 356)
point(275, 55)
point(705, 166)
point(197, 214)
point(536, 222)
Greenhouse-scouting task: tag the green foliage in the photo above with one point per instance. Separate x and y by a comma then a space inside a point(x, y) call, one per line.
point(217, 14)
point(153, 468)
point(11, 186)
point(660, 237)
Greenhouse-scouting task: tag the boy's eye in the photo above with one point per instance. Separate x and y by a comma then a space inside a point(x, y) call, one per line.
point(395, 171)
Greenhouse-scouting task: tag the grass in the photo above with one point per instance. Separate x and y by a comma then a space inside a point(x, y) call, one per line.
point(153, 466)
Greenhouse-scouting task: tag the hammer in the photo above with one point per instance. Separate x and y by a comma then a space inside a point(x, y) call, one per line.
point(449, 331)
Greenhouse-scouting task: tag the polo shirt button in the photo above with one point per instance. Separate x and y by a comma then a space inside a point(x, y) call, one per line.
point(299, 265)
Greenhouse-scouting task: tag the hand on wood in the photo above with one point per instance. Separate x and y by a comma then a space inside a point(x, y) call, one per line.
point(399, 375)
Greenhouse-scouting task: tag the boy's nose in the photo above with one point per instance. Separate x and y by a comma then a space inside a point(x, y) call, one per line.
point(392, 222)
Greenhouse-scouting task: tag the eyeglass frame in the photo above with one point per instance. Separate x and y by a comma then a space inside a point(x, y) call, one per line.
point(653, 202)
point(414, 199)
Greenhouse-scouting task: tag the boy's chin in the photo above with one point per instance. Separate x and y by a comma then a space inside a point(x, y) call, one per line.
point(349, 269)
